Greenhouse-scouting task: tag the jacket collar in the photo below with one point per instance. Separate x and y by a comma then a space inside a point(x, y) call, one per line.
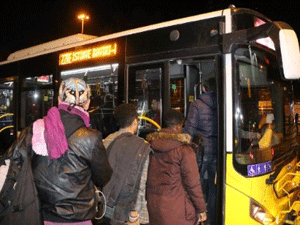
point(167, 139)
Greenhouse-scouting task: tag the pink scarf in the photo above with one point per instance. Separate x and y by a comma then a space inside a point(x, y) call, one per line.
point(49, 138)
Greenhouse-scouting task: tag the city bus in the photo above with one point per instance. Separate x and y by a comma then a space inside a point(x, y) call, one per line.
point(254, 61)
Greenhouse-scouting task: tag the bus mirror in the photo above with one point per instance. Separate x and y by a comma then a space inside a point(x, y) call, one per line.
point(290, 54)
point(287, 48)
point(283, 37)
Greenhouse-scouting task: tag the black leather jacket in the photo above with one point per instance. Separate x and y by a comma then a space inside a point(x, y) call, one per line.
point(66, 185)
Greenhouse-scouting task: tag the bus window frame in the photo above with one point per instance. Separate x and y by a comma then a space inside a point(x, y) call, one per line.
point(132, 68)
point(242, 168)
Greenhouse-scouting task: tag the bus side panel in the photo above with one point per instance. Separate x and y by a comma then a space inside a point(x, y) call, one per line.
point(237, 202)
point(237, 208)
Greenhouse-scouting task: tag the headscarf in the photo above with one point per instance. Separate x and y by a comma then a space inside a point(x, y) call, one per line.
point(49, 138)
point(75, 92)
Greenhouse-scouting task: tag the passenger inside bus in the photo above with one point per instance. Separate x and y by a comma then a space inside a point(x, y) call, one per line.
point(154, 112)
point(102, 117)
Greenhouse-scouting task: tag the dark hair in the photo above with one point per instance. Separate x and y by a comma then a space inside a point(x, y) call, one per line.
point(173, 118)
point(210, 84)
point(125, 114)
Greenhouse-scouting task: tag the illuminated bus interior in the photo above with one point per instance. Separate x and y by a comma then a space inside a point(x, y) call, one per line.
point(103, 81)
point(148, 87)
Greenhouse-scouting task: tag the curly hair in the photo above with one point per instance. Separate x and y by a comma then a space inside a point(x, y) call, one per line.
point(173, 118)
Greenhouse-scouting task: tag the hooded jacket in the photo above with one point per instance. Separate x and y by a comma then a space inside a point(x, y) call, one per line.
point(66, 185)
point(203, 119)
point(174, 193)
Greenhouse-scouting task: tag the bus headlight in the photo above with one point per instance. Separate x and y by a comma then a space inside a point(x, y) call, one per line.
point(259, 213)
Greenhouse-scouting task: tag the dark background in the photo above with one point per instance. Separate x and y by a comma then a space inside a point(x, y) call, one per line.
point(28, 23)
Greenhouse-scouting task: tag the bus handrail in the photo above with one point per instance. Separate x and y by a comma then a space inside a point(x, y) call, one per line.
point(7, 127)
point(150, 120)
point(6, 114)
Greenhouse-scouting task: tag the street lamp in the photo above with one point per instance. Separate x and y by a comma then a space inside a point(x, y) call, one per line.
point(83, 17)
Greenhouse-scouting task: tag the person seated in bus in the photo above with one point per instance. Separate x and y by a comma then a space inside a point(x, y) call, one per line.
point(154, 112)
point(202, 119)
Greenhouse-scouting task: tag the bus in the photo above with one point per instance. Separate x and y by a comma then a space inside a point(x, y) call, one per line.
point(255, 62)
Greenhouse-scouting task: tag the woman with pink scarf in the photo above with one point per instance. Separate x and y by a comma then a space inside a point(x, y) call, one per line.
point(68, 158)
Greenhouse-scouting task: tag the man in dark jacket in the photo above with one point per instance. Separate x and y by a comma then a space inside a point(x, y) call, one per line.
point(68, 157)
point(174, 194)
point(202, 120)
point(128, 155)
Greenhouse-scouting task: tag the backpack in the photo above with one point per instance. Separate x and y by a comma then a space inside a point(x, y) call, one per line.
point(19, 202)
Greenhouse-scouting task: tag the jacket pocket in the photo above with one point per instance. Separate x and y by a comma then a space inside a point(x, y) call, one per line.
point(189, 209)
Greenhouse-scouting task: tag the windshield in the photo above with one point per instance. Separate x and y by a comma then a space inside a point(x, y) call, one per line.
point(263, 111)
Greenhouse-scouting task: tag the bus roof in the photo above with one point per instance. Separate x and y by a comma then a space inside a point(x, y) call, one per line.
point(51, 45)
point(83, 39)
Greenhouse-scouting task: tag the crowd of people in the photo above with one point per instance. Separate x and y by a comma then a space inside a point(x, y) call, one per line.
point(163, 180)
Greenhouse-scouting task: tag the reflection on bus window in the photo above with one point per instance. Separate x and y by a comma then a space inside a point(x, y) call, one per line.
point(263, 118)
point(146, 96)
point(6, 115)
point(35, 105)
point(38, 81)
point(103, 81)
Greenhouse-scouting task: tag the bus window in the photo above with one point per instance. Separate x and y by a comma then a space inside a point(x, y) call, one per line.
point(263, 119)
point(35, 105)
point(6, 115)
point(177, 86)
point(103, 81)
point(177, 94)
point(36, 98)
point(145, 93)
point(37, 82)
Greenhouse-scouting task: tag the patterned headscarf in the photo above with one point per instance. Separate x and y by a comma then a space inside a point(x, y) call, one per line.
point(75, 91)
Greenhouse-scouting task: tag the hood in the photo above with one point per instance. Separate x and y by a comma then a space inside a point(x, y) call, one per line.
point(167, 140)
point(210, 99)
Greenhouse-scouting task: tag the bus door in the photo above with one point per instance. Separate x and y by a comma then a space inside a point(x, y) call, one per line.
point(6, 113)
point(155, 88)
point(175, 84)
point(145, 85)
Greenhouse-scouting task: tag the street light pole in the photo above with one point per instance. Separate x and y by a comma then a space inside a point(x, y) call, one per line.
point(83, 17)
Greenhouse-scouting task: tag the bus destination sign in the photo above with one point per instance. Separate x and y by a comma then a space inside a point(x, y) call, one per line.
point(87, 54)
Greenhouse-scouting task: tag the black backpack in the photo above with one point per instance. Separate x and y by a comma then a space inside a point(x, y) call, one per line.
point(19, 202)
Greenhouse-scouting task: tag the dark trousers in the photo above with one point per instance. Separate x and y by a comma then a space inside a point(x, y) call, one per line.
point(207, 175)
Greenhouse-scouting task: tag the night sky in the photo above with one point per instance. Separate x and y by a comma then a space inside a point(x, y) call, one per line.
point(28, 23)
